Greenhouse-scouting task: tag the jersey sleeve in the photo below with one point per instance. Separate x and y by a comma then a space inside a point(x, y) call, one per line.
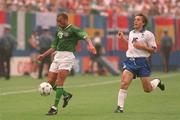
point(80, 33)
point(151, 40)
point(55, 42)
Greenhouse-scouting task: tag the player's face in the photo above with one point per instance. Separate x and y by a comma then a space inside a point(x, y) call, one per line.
point(138, 22)
point(61, 22)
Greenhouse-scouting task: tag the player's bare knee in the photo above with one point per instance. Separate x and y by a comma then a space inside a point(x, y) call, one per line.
point(124, 84)
point(147, 90)
point(59, 83)
point(63, 74)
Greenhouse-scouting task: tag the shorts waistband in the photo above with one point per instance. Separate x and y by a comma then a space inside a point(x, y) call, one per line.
point(136, 58)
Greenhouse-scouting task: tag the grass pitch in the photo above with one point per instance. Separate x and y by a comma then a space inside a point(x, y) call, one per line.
point(94, 98)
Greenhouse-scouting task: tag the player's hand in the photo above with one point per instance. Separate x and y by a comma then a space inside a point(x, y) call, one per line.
point(40, 57)
point(92, 49)
point(120, 35)
point(138, 45)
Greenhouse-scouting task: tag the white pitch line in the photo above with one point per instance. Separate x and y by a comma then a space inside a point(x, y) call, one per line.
point(76, 86)
point(18, 92)
point(92, 84)
point(72, 86)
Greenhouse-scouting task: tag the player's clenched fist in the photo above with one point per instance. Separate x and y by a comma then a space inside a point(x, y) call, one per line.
point(40, 57)
point(120, 35)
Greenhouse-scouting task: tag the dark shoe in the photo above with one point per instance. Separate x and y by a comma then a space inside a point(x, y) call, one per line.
point(161, 86)
point(119, 110)
point(52, 111)
point(66, 100)
point(7, 78)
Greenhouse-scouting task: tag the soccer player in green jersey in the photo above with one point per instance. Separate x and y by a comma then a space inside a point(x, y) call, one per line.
point(65, 42)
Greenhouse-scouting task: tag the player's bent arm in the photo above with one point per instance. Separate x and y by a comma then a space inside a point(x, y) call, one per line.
point(141, 46)
point(121, 36)
point(150, 49)
point(48, 52)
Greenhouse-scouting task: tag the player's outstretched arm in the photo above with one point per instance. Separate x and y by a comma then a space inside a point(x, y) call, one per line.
point(120, 36)
point(91, 47)
point(48, 52)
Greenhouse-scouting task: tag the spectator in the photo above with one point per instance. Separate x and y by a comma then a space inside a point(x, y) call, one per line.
point(166, 45)
point(95, 66)
point(154, 9)
point(7, 43)
point(33, 42)
point(101, 7)
point(45, 40)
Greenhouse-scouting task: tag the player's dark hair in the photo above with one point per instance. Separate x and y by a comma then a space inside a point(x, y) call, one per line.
point(145, 20)
point(64, 15)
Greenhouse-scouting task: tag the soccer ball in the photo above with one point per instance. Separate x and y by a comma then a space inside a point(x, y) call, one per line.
point(45, 89)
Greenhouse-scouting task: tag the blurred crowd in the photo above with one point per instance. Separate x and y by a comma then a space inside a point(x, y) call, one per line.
point(102, 7)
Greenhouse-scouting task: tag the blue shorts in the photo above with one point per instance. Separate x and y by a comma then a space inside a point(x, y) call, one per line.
point(138, 66)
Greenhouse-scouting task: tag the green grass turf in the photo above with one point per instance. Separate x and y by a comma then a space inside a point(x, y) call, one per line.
point(94, 98)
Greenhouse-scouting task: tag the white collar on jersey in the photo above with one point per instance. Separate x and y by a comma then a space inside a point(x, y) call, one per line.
point(65, 27)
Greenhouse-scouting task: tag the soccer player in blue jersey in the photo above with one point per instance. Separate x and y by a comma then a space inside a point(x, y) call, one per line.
point(66, 39)
point(141, 44)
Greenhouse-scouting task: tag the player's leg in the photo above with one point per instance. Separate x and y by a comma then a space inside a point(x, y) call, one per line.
point(167, 61)
point(63, 68)
point(35, 65)
point(47, 65)
point(126, 80)
point(2, 61)
point(41, 66)
point(8, 65)
point(149, 85)
point(61, 76)
point(165, 54)
point(52, 76)
point(60, 83)
point(1, 66)
point(144, 73)
point(94, 68)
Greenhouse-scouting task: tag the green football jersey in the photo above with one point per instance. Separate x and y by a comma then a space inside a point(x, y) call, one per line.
point(67, 39)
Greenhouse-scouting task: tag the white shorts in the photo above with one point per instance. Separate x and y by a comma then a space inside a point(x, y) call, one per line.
point(63, 60)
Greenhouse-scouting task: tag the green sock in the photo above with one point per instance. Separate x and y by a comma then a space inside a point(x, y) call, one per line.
point(65, 93)
point(59, 92)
